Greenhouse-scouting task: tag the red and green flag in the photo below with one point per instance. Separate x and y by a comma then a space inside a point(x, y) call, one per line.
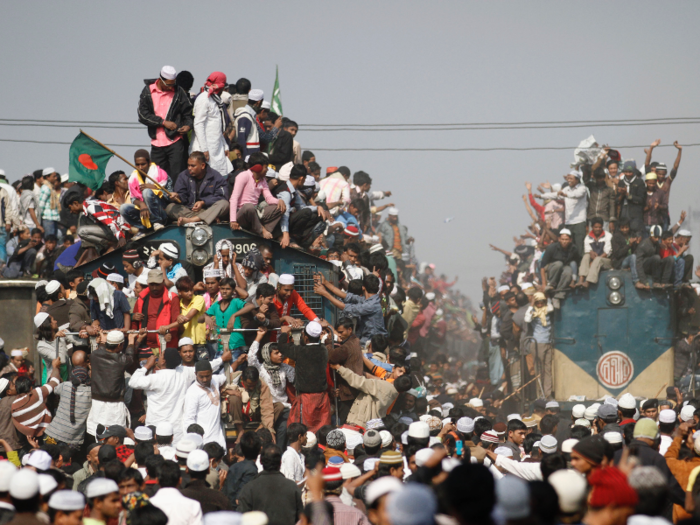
point(88, 161)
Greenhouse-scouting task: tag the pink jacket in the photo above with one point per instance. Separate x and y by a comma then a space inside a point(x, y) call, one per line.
point(134, 184)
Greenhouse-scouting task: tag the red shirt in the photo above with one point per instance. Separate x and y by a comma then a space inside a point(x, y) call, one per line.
point(294, 300)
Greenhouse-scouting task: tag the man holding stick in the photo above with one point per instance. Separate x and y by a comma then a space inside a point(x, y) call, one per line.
point(148, 200)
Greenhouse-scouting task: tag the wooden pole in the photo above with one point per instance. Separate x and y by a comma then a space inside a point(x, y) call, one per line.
point(660, 390)
point(482, 391)
point(519, 389)
point(161, 188)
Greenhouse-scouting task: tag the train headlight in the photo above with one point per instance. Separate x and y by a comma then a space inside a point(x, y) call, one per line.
point(199, 237)
point(199, 257)
point(615, 283)
point(615, 298)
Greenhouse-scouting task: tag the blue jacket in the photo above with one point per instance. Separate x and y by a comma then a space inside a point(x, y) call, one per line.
point(213, 188)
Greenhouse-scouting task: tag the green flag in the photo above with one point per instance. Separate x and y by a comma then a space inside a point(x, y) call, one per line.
point(276, 104)
point(88, 162)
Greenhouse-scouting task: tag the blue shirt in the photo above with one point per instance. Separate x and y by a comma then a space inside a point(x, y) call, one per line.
point(121, 307)
point(291, 199)
point(370, 319)
point(346, 218)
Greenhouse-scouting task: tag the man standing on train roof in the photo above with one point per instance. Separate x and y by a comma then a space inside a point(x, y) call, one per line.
point(286, 298)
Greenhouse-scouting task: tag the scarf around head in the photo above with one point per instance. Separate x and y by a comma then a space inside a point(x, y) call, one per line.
point(215, 84)
point(79, 376)
point(541, 312)
point(272, 369)
point(133, 501)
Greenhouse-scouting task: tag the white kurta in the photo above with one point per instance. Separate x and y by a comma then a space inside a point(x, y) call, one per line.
point(293, 465)
point(199, 409)
point(209, 133)
point(286, 373)
point(166, 390)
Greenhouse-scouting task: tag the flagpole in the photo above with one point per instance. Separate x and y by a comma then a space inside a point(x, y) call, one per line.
point(161, 188)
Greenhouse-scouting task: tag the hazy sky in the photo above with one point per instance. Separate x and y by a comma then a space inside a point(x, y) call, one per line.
point(379, 63)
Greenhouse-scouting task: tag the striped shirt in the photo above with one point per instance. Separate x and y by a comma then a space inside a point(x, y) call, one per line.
point(61, 429)
point(29, 412)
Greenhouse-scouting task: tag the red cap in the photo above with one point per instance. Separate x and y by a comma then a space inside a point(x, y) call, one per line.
point(331, 169)
point(352, 231)
point(610, 487)
point(331, 474)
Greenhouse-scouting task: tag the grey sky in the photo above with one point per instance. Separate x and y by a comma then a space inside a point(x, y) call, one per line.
point(379, 62)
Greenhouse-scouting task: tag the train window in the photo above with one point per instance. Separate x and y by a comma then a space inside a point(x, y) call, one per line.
point(304, 286)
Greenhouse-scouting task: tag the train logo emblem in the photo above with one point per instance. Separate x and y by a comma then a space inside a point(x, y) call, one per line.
point(615, 369)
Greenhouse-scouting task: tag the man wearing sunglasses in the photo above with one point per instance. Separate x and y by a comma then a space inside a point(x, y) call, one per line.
point(167, 111)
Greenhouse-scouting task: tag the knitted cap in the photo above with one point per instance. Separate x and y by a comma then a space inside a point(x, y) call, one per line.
point(591, 448)
point(609, 487)
point(391, 457)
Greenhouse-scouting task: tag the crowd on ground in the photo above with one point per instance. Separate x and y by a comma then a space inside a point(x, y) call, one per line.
point(607, 214)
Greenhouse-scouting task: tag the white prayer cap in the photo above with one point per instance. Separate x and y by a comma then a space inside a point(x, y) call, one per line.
point(3, 384)
point(129, 442)
point(285, 171)
point(352, 441)
point(115, 278)
point(387, 438)
point(39, 284)
point(565, 231)
point(419, 430)
point(394, 211)
point(526, 286)
point(67, 500)
point(446, 407)
point(265, 104)
point(143, 278)
point(286, 279)
point(309, 181)
point(548, 444)
point(612, 437)
point(667, 416)
point(223, 517)
point(511, 417)
point(627, 402)
point(381, 487)
point(256, 94)
point(430, 296)
point(184, 447)
point(25, 484)
point(212, 273)
point(40, 318)
point(684, 233)
point(195, 438)
point(52, 287)
point(610, 401)
point(592, 412)
point(2, 172)
point(47, 171)
point(476, 402)
point(404, 438)
point(556, 188)
point(100, 487)
point(18, 353)
point(568, 445)
point(311, 439)
point(253, 517)
point(582, 422)
point(46, 484)
point(115, 337)
point(314, 329)
point(369, 464)
point(164, 428)
point(503, 451)
point(376, 248)
point(571, 487)
point(552, 404)
point(7, 471)
point(198, 461)
point(143, 433)
point(349, 471)
point(503, 288)
point(169, 249)
point(39, 459)
point(185, 341)
point(575, 173)
point(578, 410)
point(64, 178)
point(373, 424)
point(687, 413)
point(423, 455)
point(168, 73)
point(465, 425)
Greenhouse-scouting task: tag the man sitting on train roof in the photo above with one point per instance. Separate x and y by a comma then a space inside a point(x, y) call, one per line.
point(200, 193)
point(650, 263)
point(558, 267)
point(596, 257)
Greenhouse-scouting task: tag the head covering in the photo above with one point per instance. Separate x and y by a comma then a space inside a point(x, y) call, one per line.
point(272, 368)
point(609, 487)
point(391, 457)
point(185, 341)
point(168, 73)
point(184, 447)
point(489, 436)
point(314, 329)
point(372, 439)
point(591, 412)
point(577, 411)
point(52, 287)
point(155, 276)
point(591, 448)
point(331, 474)
point(513, 498)
point(100, 487)
point(655, 231)
point(169, 250)
point(39, 459)
point(645, 428)
point(47, 171)
point(253, 260)
point(349, 471)
point(504, 451)
point(228, 517)
point(67, 500)
point(374, 424)
point(503, 288)
point(16, 353)
point(115, 278)
point(78, 376)
point(667, 416)
point(215, 84)
point(465, 425)
point(548, 444)
point(198, 461)
point(40, 318)
point(416, 504)
point(650, 176)
point(381, 487)
point(476, 402)
point(387, 438)
point(311, 440)
point(571, 487)
point(511, 417)
point(607, 413)
point(418, 430)
point(610, 401)
point(115, 337)
point(25, 484)
point(565, 231)
point(286, 279)
point(47, 483)
point(687, 412)
point(568, 445)
point(256, 95)
point(131, 255)
point(143, 433)
point(336, 439)
point(393, 211)
point(582, 422)
point(614, 438)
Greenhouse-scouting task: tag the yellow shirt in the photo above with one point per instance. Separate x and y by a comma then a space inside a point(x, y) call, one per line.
point(194, 329)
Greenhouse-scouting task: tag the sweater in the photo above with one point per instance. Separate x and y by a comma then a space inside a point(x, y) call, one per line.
point(375, 398)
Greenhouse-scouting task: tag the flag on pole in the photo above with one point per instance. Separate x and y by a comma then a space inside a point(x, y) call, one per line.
point(88, 162)
point(276, 104)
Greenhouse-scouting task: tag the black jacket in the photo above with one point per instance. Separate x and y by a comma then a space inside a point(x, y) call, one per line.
point(180, 111)
point(239, 475)
point(212, 189)
point(273, 494)
point(645, 250)
point(621, 248)
point(282, 149)
point(211, 500)
point(555, 252)
point(108, 373)
point(635, 199)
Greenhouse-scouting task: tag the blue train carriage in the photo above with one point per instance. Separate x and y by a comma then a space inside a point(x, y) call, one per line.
point(613, 339)
point(197, 246)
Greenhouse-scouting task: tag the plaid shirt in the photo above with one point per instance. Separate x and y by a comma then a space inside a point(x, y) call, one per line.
point(47, 213)
point(107, 215)
point(124, 452)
